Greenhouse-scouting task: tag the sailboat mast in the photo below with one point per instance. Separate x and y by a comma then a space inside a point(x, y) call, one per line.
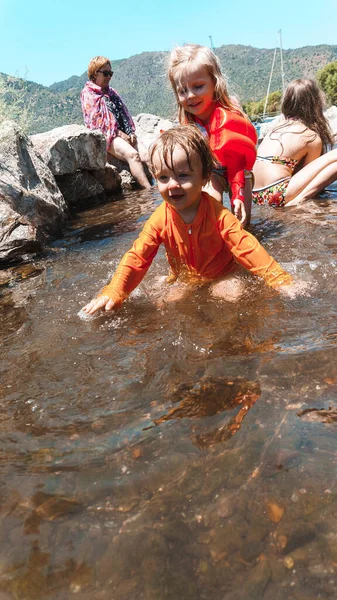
point(271, 74)
point(282, 71)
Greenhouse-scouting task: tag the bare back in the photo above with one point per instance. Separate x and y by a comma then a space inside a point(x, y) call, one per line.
point(290, 139)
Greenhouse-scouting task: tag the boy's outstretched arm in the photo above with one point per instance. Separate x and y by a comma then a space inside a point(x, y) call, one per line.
point(130, 270)
point(252, 256)
point(97, 303)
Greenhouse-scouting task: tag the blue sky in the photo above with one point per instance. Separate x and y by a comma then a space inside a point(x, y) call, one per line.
point(51, 40)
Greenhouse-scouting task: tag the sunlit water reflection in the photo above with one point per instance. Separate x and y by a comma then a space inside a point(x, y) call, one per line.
point(166, 451)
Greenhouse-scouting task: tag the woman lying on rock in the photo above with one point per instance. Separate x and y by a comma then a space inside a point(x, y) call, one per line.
point(104, 109)
point(292, 162)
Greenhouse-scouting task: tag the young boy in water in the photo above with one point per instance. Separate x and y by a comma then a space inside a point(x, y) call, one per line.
point(203, 240)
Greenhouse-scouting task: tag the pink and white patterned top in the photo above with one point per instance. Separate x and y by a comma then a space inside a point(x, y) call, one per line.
point(97, 115)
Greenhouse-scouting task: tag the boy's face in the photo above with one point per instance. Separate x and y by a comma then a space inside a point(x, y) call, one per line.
point(181, 185)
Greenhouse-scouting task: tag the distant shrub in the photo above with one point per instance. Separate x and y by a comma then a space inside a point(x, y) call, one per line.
point(327, 79)
point(13, 102)
point(255, 109)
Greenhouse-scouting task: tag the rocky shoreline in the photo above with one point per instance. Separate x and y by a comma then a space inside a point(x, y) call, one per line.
point(46, 177)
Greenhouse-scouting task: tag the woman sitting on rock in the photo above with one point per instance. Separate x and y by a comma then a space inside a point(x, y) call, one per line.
point(291, 165)
point(104, 109)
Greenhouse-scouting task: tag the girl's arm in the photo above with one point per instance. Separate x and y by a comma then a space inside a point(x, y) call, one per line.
point(239, 210)
point(236, 175)
point(236, 180)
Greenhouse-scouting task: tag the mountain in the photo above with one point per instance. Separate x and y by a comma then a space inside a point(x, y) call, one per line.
point(142, 82)
point(35, 107)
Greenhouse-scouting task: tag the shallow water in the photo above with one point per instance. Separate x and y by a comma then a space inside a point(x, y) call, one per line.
point(167, 451)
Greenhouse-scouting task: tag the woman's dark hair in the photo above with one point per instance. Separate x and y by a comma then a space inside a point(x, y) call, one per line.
point(190, 139)
point(304, 101)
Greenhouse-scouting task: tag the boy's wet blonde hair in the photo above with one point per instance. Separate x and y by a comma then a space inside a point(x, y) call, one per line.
point(188, 138)
point(182, 58)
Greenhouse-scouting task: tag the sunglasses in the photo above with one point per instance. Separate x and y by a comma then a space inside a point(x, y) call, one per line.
point(105, 73)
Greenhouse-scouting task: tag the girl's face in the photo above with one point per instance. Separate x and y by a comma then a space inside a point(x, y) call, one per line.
point(195, 90)
point(180, 186)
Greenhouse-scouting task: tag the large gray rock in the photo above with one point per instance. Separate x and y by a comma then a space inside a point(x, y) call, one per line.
point(331, 115)
point(85, 188)
point(32, 208)
point(109, 178)
point(81, 189)
point(148, 127)
point(71, 148)
point(268, 126)
point(18, 237)
point(127, 181)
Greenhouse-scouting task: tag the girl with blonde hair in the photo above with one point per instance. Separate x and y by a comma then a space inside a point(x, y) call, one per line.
point(201, 92)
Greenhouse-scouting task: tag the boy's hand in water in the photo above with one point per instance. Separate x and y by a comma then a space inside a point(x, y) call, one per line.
point(294, 289)
point(97, 303)
point(240, 211)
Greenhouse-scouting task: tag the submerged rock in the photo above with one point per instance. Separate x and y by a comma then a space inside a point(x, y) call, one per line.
point(319, 415)
point(255, 582)
point(275, 511)
point(109, 178)
point(300, 537)
point(210, 396)
point(56, 507)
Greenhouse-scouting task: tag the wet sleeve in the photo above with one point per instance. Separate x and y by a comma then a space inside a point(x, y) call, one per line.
point(236, 175)
point(134, 264)
point(250, 254)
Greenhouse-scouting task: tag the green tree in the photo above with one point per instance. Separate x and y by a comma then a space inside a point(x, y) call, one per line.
point(255, 109)
point(13, 102)
point(327, 79)
point(274, 102)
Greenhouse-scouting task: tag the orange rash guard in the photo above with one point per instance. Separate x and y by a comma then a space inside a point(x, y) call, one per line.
point(204, 249)
point(233, 139)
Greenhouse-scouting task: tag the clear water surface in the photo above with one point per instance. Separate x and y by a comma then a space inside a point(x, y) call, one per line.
point(179, 450)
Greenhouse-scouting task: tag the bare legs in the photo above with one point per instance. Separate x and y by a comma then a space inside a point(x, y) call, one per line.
point(122, 150)
point(229, 288)
point(312, 179)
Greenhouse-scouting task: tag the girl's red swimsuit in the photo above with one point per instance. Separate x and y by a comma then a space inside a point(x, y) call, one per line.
point(233, 139)
point(205, 249)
